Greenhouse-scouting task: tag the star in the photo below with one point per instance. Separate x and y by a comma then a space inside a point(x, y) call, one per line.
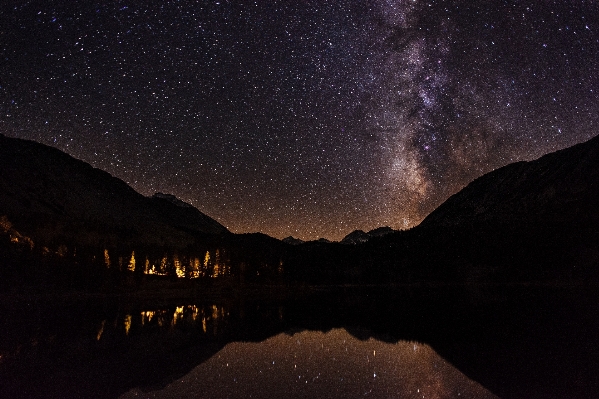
point(311, 119)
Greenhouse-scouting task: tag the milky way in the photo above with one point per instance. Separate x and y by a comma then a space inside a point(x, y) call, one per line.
point(308, 118)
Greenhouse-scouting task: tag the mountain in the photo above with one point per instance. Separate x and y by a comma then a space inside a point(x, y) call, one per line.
point(381, 231)
point(359, 236)
point(172, 199)
point(355, 237)
point(527, 221)
point(52, 197)
point(292, 240)
point(560, 187)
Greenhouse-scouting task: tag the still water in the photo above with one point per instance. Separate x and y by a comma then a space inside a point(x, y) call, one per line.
point(313, 364)
point(516, 342)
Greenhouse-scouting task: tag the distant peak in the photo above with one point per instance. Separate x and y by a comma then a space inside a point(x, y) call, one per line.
point(292, 240)
point(359, 236)
point(172, 199)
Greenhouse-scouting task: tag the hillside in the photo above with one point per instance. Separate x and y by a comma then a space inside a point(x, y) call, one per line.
point(527, 221)
point(359, 236)
point(53, 197)
point(558, 188)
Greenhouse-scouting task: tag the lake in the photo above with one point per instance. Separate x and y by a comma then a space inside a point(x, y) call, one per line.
point(412, 341)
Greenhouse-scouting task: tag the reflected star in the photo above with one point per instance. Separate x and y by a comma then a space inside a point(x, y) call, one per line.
point(329, 365)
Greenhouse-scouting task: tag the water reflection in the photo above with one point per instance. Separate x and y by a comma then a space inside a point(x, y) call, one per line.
point(127, 324)
point(188, 315)
point(315, 364)
point(524, 343)
point(100, 330)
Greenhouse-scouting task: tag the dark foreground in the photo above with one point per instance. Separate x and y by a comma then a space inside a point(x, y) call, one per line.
point(515, 341)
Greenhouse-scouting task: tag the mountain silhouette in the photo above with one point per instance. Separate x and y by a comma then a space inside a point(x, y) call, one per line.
point(53, 197)
point(359, 236)
point(527, 221)
point(292, 240)
point(560, 187)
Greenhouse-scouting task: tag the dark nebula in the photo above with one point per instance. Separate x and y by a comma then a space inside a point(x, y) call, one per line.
point(309, 118)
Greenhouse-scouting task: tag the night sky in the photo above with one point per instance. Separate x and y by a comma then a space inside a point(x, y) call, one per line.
point(303, 118)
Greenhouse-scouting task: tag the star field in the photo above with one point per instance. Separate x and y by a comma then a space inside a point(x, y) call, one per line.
point(311, 118)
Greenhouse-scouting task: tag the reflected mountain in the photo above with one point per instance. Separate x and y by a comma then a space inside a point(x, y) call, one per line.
point(515, 342)
point(314, 364)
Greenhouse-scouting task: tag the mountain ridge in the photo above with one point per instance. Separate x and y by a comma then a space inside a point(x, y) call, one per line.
point(49, 194)
point(558, 187)
point(360, 236)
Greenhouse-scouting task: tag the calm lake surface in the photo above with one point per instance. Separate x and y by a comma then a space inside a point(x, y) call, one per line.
point(510, 342)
